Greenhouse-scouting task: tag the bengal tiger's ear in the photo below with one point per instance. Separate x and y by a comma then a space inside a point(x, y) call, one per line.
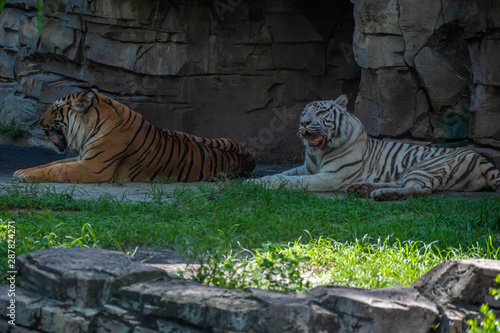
point(83, 102)
point(342, 101)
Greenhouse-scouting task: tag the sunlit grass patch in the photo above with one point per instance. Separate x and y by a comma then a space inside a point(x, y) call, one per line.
point(364, 263)
point(361, 263)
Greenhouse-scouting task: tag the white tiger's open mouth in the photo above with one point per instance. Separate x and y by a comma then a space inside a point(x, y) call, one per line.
point(316, 140)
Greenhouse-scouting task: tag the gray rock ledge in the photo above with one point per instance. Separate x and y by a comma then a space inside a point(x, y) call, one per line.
point(94, 290)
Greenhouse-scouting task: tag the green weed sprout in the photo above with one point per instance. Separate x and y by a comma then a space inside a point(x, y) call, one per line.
point(489, 323)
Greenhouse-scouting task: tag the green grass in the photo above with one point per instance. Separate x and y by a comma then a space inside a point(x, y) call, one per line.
point(11, 131)
point(292, 236)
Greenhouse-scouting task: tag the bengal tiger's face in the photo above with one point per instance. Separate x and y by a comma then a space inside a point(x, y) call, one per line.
point(61, 122)
point(320, 123)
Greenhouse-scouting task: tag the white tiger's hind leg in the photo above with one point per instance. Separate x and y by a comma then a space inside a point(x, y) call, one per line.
point(458, 170)
point(495, 184)
point(493, 179)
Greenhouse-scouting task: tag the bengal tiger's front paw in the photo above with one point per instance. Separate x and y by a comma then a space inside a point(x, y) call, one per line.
point(15, 175)
point(361, 189)
point(19, 175)
point(26, 176)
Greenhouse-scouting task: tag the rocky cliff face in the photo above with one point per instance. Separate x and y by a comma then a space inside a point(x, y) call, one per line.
point(214, 68)
point(245, 69)
point(430, 69)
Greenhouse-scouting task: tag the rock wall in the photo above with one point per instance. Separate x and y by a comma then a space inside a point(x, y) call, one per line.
point(93, 290)
point(216, 68)
point(430, 69)
point(245, 69)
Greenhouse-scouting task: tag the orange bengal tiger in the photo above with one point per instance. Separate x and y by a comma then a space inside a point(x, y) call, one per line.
point(115, 142)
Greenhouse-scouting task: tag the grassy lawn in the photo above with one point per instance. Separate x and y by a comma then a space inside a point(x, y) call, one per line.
point(247, 235)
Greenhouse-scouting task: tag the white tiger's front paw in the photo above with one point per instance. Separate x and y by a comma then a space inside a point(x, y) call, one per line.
point(255, 181)
point(272, 181)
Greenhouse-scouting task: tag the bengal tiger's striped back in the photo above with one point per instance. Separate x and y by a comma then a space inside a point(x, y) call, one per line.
point(187, 158)
point(115, 142)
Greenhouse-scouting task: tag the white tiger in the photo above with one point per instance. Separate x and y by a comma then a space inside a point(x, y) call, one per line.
point(341, 156)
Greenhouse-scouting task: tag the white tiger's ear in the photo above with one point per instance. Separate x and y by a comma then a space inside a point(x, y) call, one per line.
point(342, 101)
point(83, 102)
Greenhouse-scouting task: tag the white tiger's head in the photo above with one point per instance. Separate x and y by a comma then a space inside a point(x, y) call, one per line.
point(323, 124)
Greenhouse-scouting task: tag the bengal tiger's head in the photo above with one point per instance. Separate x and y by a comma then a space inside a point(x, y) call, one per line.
point(322, 124)
point(64, 122)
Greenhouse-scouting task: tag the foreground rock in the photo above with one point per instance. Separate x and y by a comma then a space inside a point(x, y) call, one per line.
point(94, 290)
point(458, 287)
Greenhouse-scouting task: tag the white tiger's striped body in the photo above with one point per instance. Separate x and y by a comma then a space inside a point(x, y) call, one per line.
point(341, 156)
